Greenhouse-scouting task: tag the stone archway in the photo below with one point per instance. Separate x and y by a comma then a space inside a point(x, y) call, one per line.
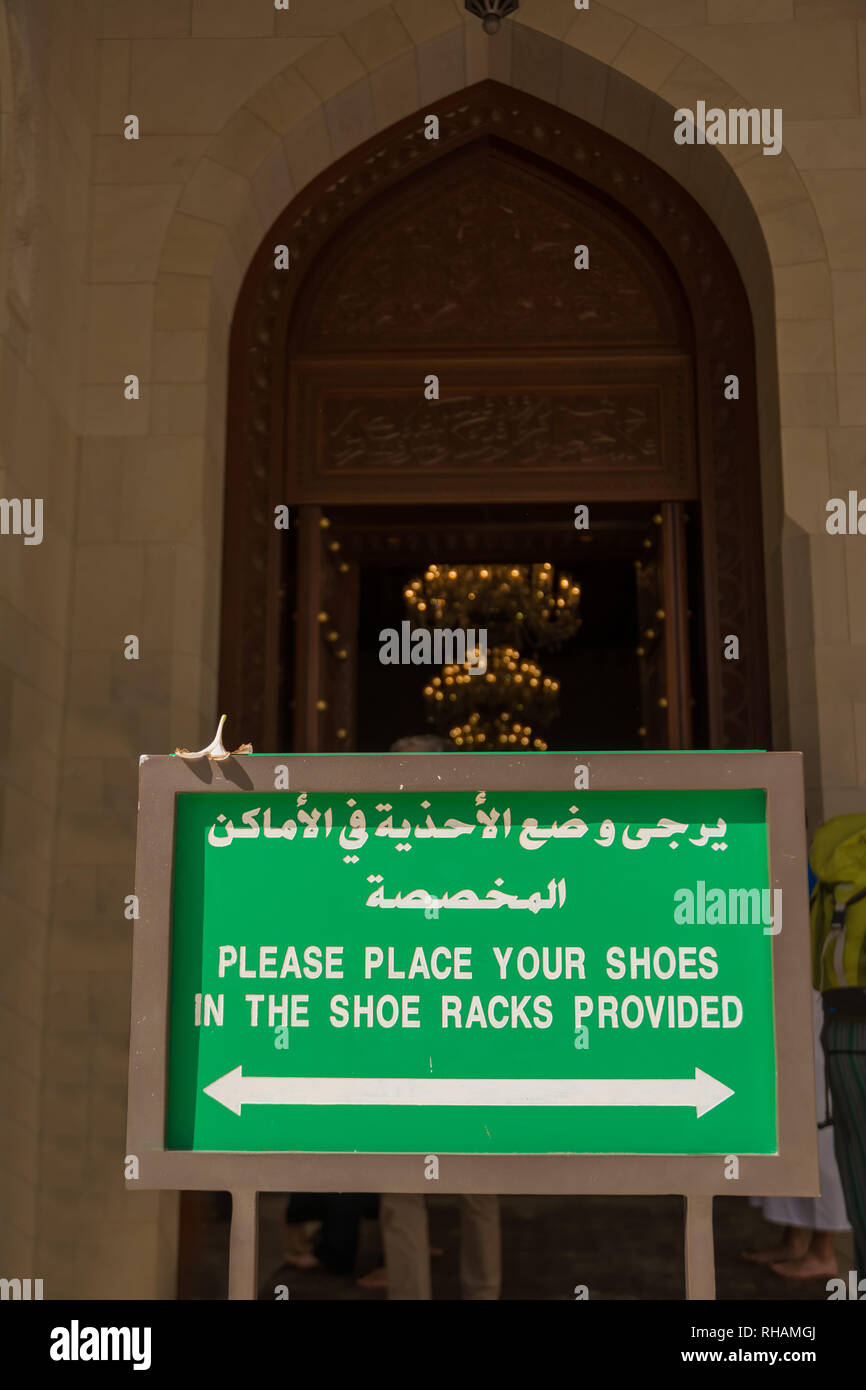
point(668, 225)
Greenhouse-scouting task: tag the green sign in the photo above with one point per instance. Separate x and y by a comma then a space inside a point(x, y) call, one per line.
point(451, 972)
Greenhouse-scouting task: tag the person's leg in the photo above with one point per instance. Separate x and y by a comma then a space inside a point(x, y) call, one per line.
point(792, 1246)
point(845, 1051)
point(337, 1244)
point(480, 1248)
point(818, 1261)
point(406, 1240)
point(303, 1214)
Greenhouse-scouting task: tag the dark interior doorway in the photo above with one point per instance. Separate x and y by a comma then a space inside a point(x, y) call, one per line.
point(351, 574)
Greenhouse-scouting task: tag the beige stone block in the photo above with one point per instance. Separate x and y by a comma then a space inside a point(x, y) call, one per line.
point(840, 202)
point(151, 159)
point(803, 291)
point(322, 17)
point(21, 988)
point(158, 19)
point(628, 111)
point(499, 62)
point(283, 101)
point(272, 186)
point(476, 48)
point(806, 477)
point(828, 9)
point(827, 144)
point(841, 669)
point(838, 744)
point(243, 143)
point(329, 67)
point(224, 284)
point(852, 398)
point(793, 234)
point(813, 73)
point(107, 411)
point(215, 194)
point(771, 182)
point(536, 62)
point(860, 735)
point(104, 613)
point(308, 148)
point(246, 232)
point(830, 593)
point(21, 1156)
point(192, 88)
point(114, 71)
point(660, 14)
point(692, 81)
point(715, 185)
point(378, 38)
point(35, 725)
point(128, 227)
point(599, 32)
point(178, 410)
point(441, 66)
point(191, 246)
point(808, 400)
point(349, 117)
point(226, 19)
point(160, 489)
point(648, 59)
point(847, 449)
point(28, 843)
point(181, 302)
point(427, 19)
point(18, 1223)
point(749, 11)
point(849, 298)
point(550, 17)
point(179, 356)
point(582, 85)
point(806, 345)
point(189, 617)
point(118, 331)
point(394, 90)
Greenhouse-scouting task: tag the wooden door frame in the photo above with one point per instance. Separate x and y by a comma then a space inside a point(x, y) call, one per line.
point(726, 432)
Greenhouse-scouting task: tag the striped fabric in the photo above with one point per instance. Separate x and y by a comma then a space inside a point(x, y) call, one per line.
point(844, 1042)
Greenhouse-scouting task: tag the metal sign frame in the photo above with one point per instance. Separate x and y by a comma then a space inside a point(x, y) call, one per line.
point(793, 1171)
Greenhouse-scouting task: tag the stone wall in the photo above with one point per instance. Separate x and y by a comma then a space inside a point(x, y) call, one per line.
point(48, 67)
point(240, 107)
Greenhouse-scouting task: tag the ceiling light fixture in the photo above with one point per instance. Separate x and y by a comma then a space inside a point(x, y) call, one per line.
point(491, 12)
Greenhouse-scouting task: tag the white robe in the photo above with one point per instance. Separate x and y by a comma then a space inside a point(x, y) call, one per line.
point(827, 1212)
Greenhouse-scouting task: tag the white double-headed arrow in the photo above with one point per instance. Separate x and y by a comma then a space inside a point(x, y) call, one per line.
point(235, 1090)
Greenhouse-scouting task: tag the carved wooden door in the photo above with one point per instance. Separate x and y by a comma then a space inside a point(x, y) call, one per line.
point(663, 643)
point(558, 381)
point(326, 624)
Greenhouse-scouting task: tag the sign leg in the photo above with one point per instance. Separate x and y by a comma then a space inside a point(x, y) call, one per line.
point(700, 1248)
point(244, 1245)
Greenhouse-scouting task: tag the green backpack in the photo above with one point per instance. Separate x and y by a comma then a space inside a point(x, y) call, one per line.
point(838, 903)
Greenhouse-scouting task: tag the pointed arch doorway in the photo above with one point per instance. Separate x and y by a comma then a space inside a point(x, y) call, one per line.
point(558, 386)
point(564, 378)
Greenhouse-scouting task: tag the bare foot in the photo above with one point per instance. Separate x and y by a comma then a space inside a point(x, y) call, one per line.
point(376, 1279)
point(808, 1266)
point(768, 1257)
point(302, 1261)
